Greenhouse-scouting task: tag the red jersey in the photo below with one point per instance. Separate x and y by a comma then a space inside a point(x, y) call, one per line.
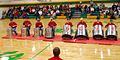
point(82, 23)
point(13, 24)
point(69, 23)
point(110, 24)
point(38, 24)
point(52, 24)
point(97, 23)
point(27, 23)
point(55, 58)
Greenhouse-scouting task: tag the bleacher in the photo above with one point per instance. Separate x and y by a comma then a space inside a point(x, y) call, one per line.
point(75, 13)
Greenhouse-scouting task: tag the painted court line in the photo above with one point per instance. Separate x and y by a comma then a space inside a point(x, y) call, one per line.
point(41, 51)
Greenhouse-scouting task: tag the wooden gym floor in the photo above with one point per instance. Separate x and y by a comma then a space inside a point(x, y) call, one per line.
point(42, 50)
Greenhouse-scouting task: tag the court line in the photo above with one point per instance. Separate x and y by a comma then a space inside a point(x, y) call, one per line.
point(41, 51)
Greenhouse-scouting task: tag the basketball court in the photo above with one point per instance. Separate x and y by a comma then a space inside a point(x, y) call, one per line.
point(42, 50)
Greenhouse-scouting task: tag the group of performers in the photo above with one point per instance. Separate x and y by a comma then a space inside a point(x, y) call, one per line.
point(81, 31)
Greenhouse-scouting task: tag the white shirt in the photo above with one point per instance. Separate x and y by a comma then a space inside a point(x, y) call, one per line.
point(40, 12)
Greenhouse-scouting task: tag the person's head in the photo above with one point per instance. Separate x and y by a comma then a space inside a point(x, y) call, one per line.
point(26, 19)
point(68, 19)
point(113, 3)
point(51, 19)
point(11, 19)
point(98, 18)
point(56, 51)
point(38, 19)
point(81, 19)
point(111, 20)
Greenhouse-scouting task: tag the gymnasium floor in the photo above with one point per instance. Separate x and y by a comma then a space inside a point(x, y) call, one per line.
point(42, 50)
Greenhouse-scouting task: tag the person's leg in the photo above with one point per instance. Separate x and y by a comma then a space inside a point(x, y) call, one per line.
point(53, 30)
point(106, 33)
point(86, 32)
point(14, 30)
point(28, 31)
point(116, 33)
point(71, 31)
point(41, 29)
point(76, 32)
point(93, 32)
point(102, 32)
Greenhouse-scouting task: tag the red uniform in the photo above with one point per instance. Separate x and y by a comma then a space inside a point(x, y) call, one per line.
point(69, 23)
point(55, 58)
point(52, 24)
point(82, 23)
point(13, 24)
point(97, 23)
point(39, 24)
point(27, 23)
point(110, 24)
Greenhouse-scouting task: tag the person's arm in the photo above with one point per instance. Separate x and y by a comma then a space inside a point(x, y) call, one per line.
point(71, 24)
point(41, 24)
point(94, 24)
point(15, 24)
point(10, 24)
point(101, 24)
point(115, 26)
point(106, 25)
point(24, 23)
point(49, 23)
point(29, 24)
point(55, 24)
point(36, 24)
point(85, 25)
point(78, 24)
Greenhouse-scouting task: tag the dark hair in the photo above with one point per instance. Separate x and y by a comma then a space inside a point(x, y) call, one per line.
point(11, 19)
point(56, 51)
point(98, 18)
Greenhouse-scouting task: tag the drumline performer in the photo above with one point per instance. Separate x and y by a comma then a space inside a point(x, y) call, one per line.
point(81, 32)
point(27, 24)
point(39, 25)
point(98, 32)
point(52, 24)
point(111, 33)
point(67, 30)
point(13, 25)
